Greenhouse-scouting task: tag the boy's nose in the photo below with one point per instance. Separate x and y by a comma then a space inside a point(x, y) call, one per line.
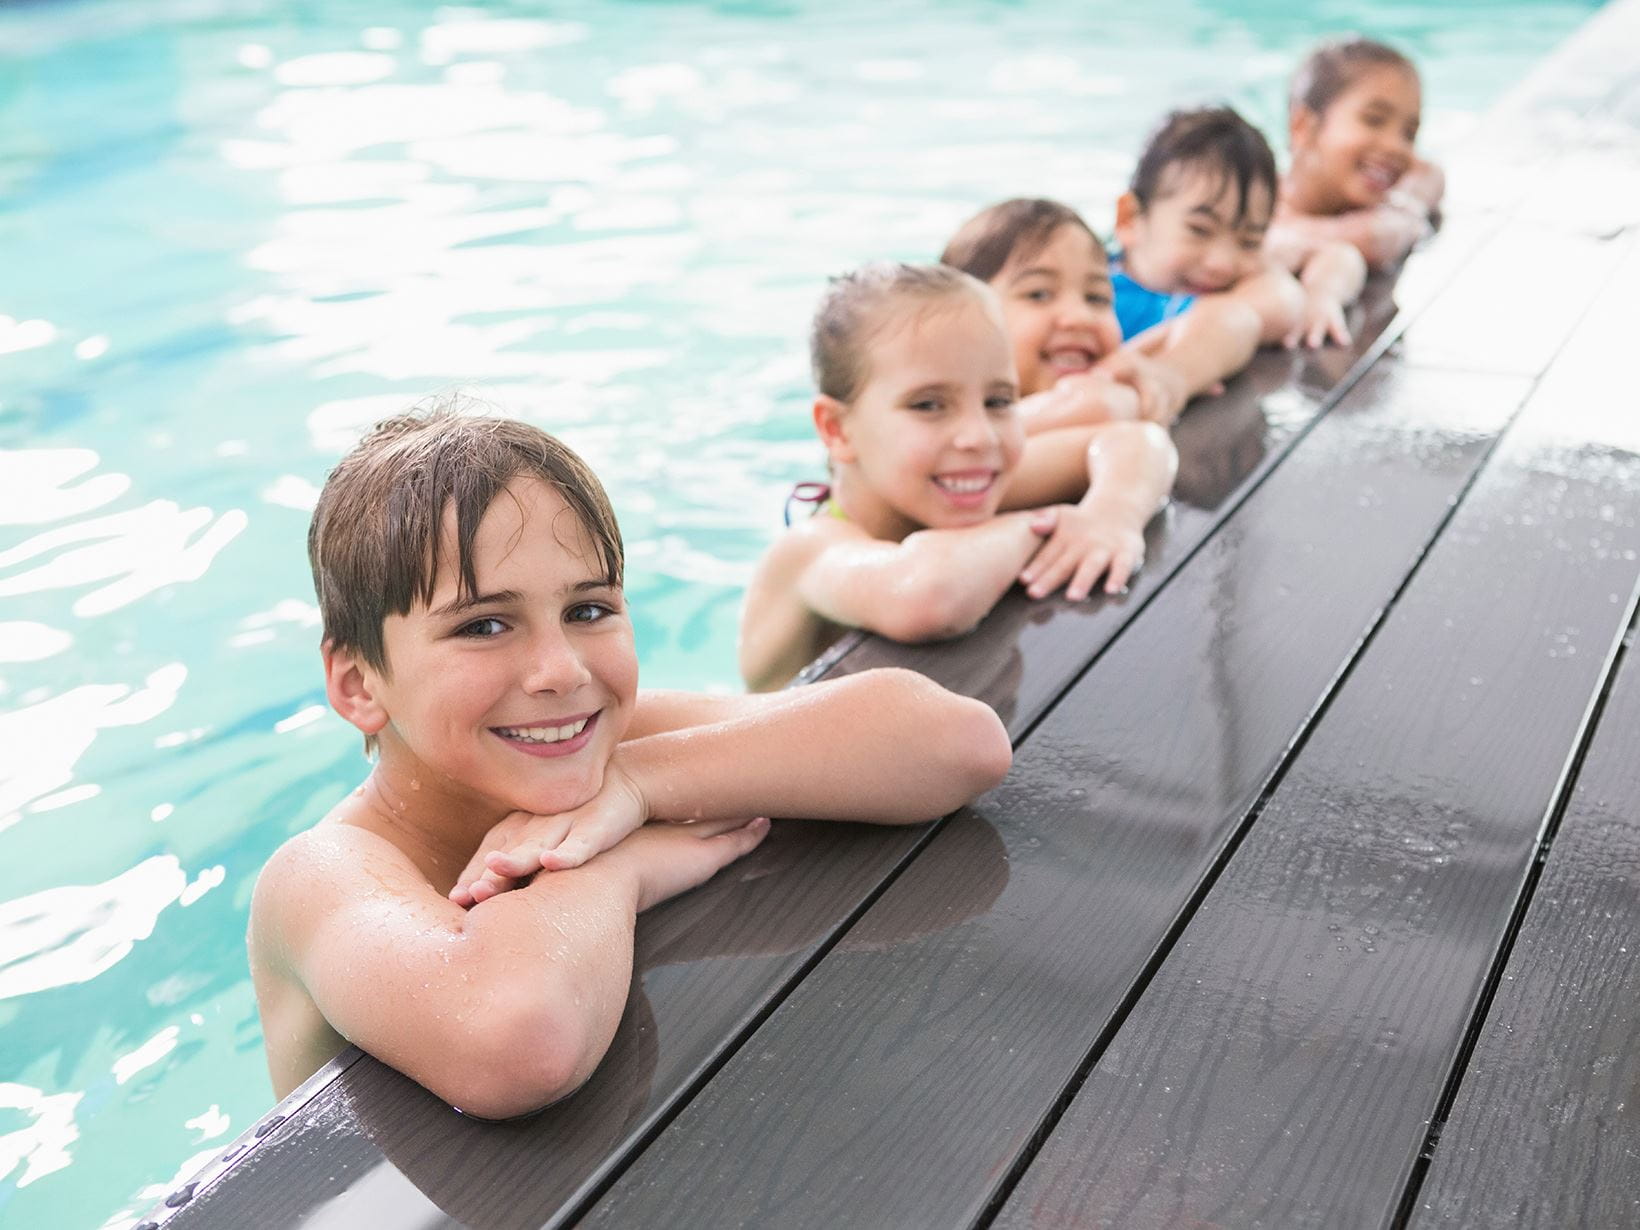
point(555, 666)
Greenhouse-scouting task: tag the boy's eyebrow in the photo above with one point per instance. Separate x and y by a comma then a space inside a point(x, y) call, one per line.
point(459, 604)
point(1033, 271)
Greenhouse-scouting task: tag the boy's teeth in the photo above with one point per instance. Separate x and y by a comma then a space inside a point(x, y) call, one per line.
point(964, 486)
point(542, 734)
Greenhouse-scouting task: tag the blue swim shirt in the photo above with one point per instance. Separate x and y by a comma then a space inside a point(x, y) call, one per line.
point(1138, 307)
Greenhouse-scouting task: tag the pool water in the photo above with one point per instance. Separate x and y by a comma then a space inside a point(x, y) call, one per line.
point(233, 234)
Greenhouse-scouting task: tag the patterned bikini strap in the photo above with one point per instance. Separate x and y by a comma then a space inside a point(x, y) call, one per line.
point(813, 494)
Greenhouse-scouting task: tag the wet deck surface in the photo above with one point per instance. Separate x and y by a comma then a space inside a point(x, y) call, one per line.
point(1313, 898)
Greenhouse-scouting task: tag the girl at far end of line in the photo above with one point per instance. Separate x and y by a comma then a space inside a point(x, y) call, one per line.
point(1352, 120)
point(938, 502)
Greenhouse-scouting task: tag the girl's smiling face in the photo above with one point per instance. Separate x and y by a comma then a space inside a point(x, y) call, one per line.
point(1351, 155)
point(1058, 308)
point(932, 434)
point(517, 696)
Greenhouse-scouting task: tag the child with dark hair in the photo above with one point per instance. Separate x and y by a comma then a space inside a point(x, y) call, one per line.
point(1192, 224)
point(938, 503)
point(1051, 274)
point(1353, 115)
point(466, 915)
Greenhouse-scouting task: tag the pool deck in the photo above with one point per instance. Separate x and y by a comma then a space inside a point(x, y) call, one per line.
point(1313, 898)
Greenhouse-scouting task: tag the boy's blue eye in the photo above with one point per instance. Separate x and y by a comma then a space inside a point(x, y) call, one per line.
point(482, 629)
point(587, 612)
point(1040, 295)
point(999, 403)
point(925, 403)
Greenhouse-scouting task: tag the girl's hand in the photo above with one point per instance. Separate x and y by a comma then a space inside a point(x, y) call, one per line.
point(523, 844)
point(1083, 544)
point(1160, 390)
point(1321, 321)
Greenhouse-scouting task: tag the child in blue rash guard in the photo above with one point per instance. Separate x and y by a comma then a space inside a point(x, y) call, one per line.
point(1192, 224)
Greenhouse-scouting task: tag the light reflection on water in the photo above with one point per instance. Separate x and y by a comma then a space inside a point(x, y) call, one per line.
point(234, 238)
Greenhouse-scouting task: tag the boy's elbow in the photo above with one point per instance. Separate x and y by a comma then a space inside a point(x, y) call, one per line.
point(523, 1059)
point(983, 749)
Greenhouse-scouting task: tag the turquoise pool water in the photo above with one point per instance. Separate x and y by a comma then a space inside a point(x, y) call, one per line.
point(234, 234)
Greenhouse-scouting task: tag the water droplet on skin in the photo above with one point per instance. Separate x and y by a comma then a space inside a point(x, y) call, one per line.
point(414, 784)
point(358, 791)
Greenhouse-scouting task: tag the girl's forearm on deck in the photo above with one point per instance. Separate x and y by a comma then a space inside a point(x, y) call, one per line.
point(1130, 470)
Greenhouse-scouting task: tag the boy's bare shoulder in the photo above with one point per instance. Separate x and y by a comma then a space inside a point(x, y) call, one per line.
point(311, 875)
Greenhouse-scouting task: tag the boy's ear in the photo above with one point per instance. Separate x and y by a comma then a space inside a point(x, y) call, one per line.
point(350, 685)
point(829, 414)
point(1128, 212)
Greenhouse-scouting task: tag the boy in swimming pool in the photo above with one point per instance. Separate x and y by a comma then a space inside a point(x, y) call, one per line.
point(1191, 227)
point(1355, 177)
point(938, 503)
point(467, 914)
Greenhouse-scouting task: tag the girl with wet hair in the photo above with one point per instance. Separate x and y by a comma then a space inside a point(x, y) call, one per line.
point(1353, 116)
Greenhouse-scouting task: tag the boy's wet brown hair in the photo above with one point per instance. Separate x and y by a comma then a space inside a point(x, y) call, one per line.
point(1334, 66)
point(852, 311)
point(1214, 139)
point(1020, 227)
point(374, 542)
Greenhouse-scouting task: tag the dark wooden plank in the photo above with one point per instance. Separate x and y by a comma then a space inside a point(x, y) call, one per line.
point(1546, 1128)
point(1283, 1065)
point(898, 1082)
point(1545, 1131)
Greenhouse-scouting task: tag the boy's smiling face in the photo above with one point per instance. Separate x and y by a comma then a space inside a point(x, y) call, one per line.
point(1190, 240)
point(517, 695)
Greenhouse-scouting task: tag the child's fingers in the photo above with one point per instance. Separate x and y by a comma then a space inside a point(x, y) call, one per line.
point(1122, 567)
point(1047, 570)
point(516, 862)
point(1087, 574)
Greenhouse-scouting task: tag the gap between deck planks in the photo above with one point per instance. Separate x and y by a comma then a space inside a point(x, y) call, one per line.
point(1283, 1066)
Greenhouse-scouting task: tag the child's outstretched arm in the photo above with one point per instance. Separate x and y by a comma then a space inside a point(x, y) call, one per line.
point(883, 746)
point(342, 921)
point(1130, 468)
point(1332, 276)
point(931, 585)
point(1199, 350)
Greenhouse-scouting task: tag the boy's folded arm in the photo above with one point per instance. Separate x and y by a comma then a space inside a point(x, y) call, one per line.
point(885, 746)
point(931, 585)
point(438, 992)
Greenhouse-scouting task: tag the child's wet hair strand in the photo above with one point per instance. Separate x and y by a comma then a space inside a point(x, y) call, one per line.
point(853, 310)
point(374, 543)
point(1013, 229)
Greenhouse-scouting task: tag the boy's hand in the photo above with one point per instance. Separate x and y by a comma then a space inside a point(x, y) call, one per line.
point(1083, 543)
point(672, 858)
point(1321, 321)
point(523, 844)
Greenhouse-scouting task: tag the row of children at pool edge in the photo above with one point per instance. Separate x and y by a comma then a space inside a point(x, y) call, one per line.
point(467, 914)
